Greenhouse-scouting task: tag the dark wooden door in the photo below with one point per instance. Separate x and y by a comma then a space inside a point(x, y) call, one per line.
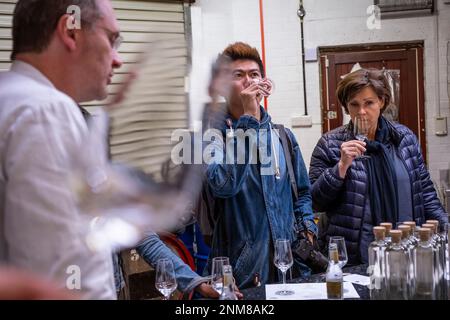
point(403, 64)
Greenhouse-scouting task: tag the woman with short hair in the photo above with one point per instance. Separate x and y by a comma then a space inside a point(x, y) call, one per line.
point(360, 184)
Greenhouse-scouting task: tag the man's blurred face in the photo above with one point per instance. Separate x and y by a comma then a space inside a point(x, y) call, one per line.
point(221, 81)
point(99, 55)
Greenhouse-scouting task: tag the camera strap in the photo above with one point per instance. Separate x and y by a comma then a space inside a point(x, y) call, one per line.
point(288, 151)
point(288, 155)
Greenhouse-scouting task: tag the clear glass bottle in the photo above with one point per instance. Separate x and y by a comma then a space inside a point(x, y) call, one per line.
point(440, 238)
point(438, 260)
point(387, 236)
point(228, 284)
point(377, 266)
point(414, 237)
point(397, 268)
point(406, 236)
point(334, 276)
point(408, 244)
point(424, 267)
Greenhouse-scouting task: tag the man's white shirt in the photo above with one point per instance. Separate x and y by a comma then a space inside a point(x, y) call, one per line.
point(40, 129)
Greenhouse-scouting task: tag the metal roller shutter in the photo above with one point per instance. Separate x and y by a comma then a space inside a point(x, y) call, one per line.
point(133, 138)
point(142, 127)
point(6, 10)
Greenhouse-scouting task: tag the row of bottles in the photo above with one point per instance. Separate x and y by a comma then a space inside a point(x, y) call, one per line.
point(408, 263)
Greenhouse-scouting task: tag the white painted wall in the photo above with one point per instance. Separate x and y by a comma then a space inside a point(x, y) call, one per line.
point(217, 23)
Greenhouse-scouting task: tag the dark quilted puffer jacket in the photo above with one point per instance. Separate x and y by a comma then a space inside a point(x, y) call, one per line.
point(345, 201)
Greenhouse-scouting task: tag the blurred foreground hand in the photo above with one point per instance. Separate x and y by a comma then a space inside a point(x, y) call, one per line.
point(19, 285)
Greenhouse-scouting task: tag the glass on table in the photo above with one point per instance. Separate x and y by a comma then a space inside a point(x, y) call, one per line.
point(283, 260)
point(342, 250)
point(217, 272)
point(165, 280)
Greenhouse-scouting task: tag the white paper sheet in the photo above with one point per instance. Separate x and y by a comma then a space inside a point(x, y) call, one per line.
point(358, 279)
point(307, 291)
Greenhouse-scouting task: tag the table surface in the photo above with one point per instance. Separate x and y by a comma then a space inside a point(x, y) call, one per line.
point(259, 293)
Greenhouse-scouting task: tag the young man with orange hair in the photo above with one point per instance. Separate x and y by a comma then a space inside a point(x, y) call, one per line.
point(255, 205)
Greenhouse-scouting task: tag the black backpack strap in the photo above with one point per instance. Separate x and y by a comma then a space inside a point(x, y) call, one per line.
point(286, 143)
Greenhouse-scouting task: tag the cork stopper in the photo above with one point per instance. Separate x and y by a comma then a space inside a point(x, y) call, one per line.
point(430, 226)
point(388, 227)
point(406, 230)
point(379, 233)
point(396, 236)
point(412, 224)
point(435, 223)
point(424, 234)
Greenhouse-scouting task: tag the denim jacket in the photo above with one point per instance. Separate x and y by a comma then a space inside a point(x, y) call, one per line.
point(256, 208)
point(152, 249)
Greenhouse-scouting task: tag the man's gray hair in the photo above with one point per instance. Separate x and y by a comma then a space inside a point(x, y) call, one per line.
point(35, 21)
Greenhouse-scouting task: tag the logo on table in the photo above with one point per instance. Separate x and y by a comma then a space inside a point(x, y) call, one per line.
point(237, 147)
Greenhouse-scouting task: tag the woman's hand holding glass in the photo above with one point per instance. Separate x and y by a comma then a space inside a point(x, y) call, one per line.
point(350, 150)
point(353, 149)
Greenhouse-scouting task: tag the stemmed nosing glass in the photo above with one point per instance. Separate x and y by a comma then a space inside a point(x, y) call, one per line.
point(283, 260)
point(361, 130)
point(165, 281)
point(342, 250)
point(217, 272)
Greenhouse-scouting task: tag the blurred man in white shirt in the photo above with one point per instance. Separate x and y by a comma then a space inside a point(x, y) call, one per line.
point(56, 65)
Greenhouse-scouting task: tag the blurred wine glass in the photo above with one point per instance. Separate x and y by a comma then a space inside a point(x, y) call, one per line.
point(283, 260)
point(141, 187)
point(342, 250)
point(165, 280)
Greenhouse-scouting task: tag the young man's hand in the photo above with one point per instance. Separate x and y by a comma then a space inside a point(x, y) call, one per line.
point(207, 291)
point(251, 98)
